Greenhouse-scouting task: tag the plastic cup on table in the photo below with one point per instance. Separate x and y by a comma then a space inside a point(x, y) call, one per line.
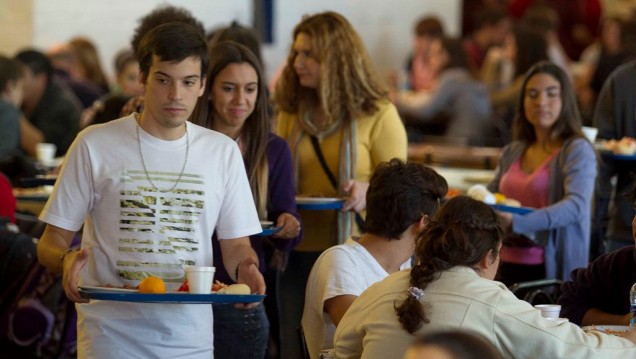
point(200, 279)
point(549, 310)
point(45, 153)
point(590, 133)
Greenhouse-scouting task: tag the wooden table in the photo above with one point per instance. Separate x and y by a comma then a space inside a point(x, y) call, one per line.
point(455, 155)
point(464, 178)
point(31, 200)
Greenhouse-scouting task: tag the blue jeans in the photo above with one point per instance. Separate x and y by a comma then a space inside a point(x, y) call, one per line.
point(240, 333)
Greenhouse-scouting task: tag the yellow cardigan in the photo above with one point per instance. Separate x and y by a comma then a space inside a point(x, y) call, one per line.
point(381, 137)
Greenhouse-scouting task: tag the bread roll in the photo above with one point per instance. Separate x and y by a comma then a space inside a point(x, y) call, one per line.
point(510, 202)
point(242, 289)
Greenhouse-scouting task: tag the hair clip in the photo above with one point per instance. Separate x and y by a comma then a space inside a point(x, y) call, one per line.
point(416, 293)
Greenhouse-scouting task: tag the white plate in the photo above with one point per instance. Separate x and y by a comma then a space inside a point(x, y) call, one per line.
point(107, 289)
point(266, 224)
point(605, 328)
point(316, 200)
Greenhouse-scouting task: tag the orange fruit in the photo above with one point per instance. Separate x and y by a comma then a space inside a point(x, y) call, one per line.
point(452, 192)
point(153, 285)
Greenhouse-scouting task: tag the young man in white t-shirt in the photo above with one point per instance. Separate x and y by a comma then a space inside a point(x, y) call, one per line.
point(400, 199)
point(150, 190)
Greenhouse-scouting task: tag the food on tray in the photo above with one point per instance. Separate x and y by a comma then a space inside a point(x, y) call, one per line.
point(216, 286)
point(481, 193)
point(626, 146)
point(510, 202)
point(612, 331)
point(184, 287)
point(240, 288)
point(452, 192)
point(500, 198)
point(609, 329)
point(152, 285)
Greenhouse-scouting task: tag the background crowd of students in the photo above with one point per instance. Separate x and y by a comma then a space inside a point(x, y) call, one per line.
point(328, 101)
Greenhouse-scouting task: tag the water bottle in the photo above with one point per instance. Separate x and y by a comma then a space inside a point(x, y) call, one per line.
point(632, 305)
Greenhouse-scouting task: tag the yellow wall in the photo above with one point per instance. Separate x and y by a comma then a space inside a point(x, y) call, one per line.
point(16, 25)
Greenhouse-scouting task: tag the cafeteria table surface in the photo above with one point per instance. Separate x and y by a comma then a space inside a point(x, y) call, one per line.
point(32, 200)
point(464, 178)
point(454, 155)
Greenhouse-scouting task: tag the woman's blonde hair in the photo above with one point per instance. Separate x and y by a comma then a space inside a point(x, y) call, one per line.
point(349, 86)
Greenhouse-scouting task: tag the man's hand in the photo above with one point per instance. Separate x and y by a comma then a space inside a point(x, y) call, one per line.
point(249, 274)
point(238, 255)
point(71, 266)
point(54, 255)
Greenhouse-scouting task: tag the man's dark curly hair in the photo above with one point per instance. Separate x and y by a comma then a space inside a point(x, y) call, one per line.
point(162, 15)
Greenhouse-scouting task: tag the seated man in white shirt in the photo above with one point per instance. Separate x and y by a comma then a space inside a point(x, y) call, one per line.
point(400, 199)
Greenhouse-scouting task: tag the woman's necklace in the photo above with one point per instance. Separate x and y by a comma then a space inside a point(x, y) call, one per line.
point(144, 162)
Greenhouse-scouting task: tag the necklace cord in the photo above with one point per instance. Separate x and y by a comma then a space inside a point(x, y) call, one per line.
point(144, 162)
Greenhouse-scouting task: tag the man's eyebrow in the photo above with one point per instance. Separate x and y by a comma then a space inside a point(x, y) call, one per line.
point(166, 75)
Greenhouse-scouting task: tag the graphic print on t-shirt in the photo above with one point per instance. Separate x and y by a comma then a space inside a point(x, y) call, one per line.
point(157, 223)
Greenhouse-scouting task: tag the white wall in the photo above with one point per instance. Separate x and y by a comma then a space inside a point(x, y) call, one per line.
point(15, 25)
point(385, 25)
point(111, 23)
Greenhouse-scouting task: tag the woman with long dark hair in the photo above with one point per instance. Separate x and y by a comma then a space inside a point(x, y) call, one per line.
point(552, 167)
point(237, 107)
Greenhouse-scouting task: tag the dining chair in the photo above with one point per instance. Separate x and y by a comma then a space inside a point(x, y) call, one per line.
point(543, 291)
point(303, 344)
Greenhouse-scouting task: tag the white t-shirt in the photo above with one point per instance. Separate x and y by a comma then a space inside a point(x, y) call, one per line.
point(346, 269)
point(134, 230)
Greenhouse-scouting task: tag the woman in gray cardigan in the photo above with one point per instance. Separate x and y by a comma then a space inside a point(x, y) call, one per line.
point(550, 165)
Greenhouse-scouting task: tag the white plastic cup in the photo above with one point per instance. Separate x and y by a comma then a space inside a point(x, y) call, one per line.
point(549, 310)
point(590, 133)
point(200, 279)
point(45, 152)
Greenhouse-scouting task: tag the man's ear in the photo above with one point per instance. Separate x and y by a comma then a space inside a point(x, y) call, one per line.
point(423, 223)
point(142, 79)
point(203, 82)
